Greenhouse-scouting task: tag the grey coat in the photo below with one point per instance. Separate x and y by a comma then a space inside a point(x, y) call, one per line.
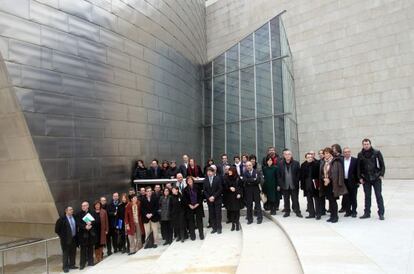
point(165, 208)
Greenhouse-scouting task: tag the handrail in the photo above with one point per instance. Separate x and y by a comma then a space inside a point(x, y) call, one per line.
point(29, 244)
point(18, 242)
point(162, 181)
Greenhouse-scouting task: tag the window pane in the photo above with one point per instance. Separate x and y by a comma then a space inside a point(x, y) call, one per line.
point(232, 96)
point(207, 71)
point(207, 102)
point(246, 51)
point(277, 86)
point(219, 65)
point(275, 35)
point(232, 58)
point(218, 116)
point(207, 143)
point(248, 138)
point(261, 40)
point(233, 139)
point(263, 90)
point(247, 93)
point(264, 135)
point(279, 133)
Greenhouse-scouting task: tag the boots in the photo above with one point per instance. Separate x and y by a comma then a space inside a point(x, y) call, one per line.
point(233, 226)
point(237, 226)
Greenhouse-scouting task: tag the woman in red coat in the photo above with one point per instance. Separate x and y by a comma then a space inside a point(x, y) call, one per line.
point(134, 225)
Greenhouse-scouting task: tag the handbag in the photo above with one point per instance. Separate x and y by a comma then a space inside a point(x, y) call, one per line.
point(263, 196)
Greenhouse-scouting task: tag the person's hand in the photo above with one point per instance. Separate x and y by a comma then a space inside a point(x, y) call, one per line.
point(126, 226)
point(195, 206)
point(326, 181)
point(191, 206)
point(381, 177)
point(361, 181)
point(211, 199)
point(88, 227)
point(238, 196)
point(278, 188)
point(233, 189)
point(89, 223)
point(149, 215)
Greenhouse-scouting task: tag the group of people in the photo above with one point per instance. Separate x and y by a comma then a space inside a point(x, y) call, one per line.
point(132, 221)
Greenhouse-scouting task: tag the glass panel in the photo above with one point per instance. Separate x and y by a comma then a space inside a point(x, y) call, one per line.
point(248, 138)
point(207, 71)
point(233, 139)
point(277, 86)
point(263, 90)
point(232, 59)
point(207, 102)
point(284, 45)
point(247, 93)
point(219, 65)
point(288, 94)
point(207, 143)
point(264, 135)
point(232, 96)
point(262, 46)
point(218, 117)
point(279, 133)
point(246, 51)
point(275, 36)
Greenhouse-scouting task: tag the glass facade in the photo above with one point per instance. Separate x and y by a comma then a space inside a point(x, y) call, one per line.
point(249, 100)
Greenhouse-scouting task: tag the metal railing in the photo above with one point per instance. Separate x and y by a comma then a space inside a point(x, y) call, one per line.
point(160, 182)
point(31, 243)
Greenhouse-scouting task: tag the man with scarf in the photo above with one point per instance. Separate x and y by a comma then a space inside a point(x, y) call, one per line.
point(371, 170)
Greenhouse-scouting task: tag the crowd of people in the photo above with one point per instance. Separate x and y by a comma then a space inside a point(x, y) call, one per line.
point(133, 220)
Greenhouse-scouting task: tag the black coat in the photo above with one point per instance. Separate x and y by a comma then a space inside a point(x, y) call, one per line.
point(113, 215)
point(216, 189)
point(232, 202)
point(150, 207)
point(295, 171)
point(187, 200)
point(155, 173)
point(85, 237)
point(141, 173)
point(352, 171)
point(172, 172)
point(309, 178)
point(64, 231)
point(177, 206)
point(252, 180)
point(371, 165)
point(183, 170)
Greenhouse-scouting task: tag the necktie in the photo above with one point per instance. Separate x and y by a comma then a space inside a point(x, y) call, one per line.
point(72, 225)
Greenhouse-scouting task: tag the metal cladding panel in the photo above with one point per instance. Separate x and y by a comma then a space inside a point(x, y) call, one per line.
point(103, 83)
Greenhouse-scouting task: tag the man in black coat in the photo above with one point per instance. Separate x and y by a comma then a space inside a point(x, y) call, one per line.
point(251, 182)
point(150, 217)
point(183, 167)
point(66, 229)
point(154, 172)
point(351, 183)
point(371, 170)
point(113, 233)
point(213, 189)
point(87, 236)
point(288, 177)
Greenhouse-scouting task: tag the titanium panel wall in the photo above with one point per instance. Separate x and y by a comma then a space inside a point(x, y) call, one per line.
point(102, 83)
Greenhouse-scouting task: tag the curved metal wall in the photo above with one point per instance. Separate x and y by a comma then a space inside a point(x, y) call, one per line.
point(103, 82)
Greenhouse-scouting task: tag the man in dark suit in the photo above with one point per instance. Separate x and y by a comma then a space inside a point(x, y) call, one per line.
point(351, 183)
point(251, 183)
point(288, 177)
point(183, 167)
point(221, 167)
point(87, 236)
point(213, 188)
point(154, 172)
point(66, 229)
point(150, 217)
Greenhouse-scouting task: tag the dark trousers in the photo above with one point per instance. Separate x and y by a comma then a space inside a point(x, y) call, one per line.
point(314, 204)
point(214, 213)
point(234, 216)
point(68, 255)
point(195, 220)
point(377, 185)
point(86, 254)
point(179, 225)
point(112, 240)
point(167, 231)
point(333, 205)
point(294, 195)
point(349, 201)
point(252, 195)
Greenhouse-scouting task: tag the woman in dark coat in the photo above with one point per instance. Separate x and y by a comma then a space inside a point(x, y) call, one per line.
point(309, 183)
point(193, 201)
point(178, 214)
point(233, 204)
point(173, 170)
point(332, 181)
point(141, 171)
point(270, 185)
point(165, 215)
point(165, 166)
point(209, 163)
point(193, 169)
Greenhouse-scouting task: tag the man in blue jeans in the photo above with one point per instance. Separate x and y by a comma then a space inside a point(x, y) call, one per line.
point(371, 170)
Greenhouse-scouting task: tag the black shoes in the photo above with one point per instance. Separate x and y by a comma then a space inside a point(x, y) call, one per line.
point(310, 217)
point(332, 220)
point(81, 267)
point(131, 253)
point(381, 217)
point(73, 267)
point(213, 231)
point(365, 216)
point(66, 270)
point(201, 236)
point(348, 214)
point(341, 210)
point(299, 215)
point(233, 226)
point(318, 217)
point(353, 215)
point(273, 212)
point(237, 226)
point(249, 222)
point(219, 231)
point(259, 221)
point(287, 214)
